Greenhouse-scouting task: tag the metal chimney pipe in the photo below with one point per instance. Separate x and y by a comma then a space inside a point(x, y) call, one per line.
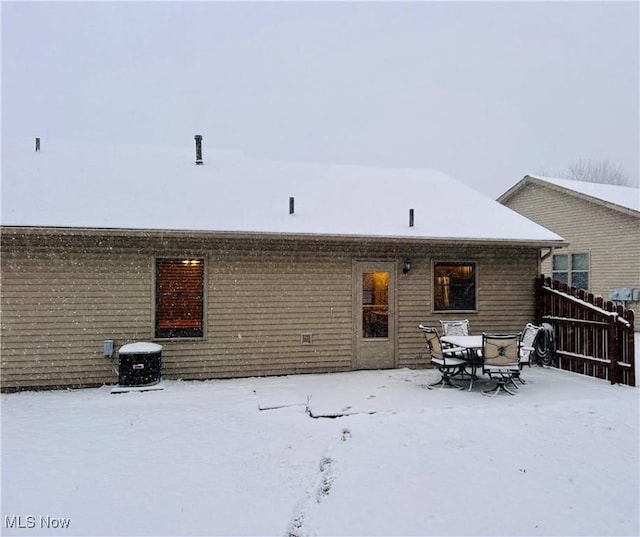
point(292, 202)
point(410, 217)
point(37, 144)
point(198, 139)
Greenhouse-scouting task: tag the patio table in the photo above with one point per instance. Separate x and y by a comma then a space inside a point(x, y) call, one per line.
point(473, 344)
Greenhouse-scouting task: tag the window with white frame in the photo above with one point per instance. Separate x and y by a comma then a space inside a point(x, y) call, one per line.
point(572, 269)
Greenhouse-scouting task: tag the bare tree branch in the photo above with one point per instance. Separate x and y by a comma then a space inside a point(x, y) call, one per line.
point(596, 171)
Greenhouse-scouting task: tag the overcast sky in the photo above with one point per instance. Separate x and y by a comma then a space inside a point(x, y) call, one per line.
point(485, 92)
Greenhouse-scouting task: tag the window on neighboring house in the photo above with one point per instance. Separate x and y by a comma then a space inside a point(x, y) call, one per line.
point(179, 298)
point(560, 268)
point(454, 286)
point(572, 269)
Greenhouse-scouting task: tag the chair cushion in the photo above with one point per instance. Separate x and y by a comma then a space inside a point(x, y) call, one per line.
point(451, 350)
point(504, 368)
point(448, 362)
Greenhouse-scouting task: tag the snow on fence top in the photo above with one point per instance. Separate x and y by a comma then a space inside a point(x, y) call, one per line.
point(607, 313)
point(157, 188)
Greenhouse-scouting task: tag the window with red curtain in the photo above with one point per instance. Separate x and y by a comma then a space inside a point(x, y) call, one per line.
point(179, 298)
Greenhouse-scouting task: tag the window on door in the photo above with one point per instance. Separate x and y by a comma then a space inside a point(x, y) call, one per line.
point(572, 269)
point(179, 298)
point(454, 286)
point(375, 305)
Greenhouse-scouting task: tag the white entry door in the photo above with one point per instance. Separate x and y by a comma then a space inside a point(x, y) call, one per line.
point(375, 321)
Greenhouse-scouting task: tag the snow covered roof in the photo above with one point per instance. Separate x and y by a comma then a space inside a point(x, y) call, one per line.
point(621, 196)
point(85, 185)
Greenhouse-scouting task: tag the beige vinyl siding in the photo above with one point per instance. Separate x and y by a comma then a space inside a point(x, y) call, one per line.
point(62, 296)
point(60, 302)
point(259, 306)
point(414, 307)
point(58, 307)
point(610, 237)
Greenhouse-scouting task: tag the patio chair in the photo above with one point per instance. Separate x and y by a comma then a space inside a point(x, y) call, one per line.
point(444, 359)
point(501, 354)
point(529, 336)
point(455, 328)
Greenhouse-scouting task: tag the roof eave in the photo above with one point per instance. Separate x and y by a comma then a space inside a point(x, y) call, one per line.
point(529, 179)
point(513, 190)
point(316, 237)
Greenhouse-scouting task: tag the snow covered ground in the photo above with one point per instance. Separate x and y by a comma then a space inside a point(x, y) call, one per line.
point(267, 456)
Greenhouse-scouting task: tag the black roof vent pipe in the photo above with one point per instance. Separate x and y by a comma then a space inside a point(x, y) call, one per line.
point(37, 144)
point(198, 139)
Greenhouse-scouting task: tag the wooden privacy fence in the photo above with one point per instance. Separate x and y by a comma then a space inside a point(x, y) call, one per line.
point(593, 337)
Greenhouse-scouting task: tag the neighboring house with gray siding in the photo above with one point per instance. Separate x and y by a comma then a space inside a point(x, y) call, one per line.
point(601, 223)
point(240, 267)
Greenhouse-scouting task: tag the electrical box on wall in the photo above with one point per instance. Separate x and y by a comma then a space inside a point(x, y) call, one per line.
point(621, 294)
point(107, 348)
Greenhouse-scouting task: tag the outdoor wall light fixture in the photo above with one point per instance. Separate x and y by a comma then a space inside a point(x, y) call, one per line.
point(406, 266)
